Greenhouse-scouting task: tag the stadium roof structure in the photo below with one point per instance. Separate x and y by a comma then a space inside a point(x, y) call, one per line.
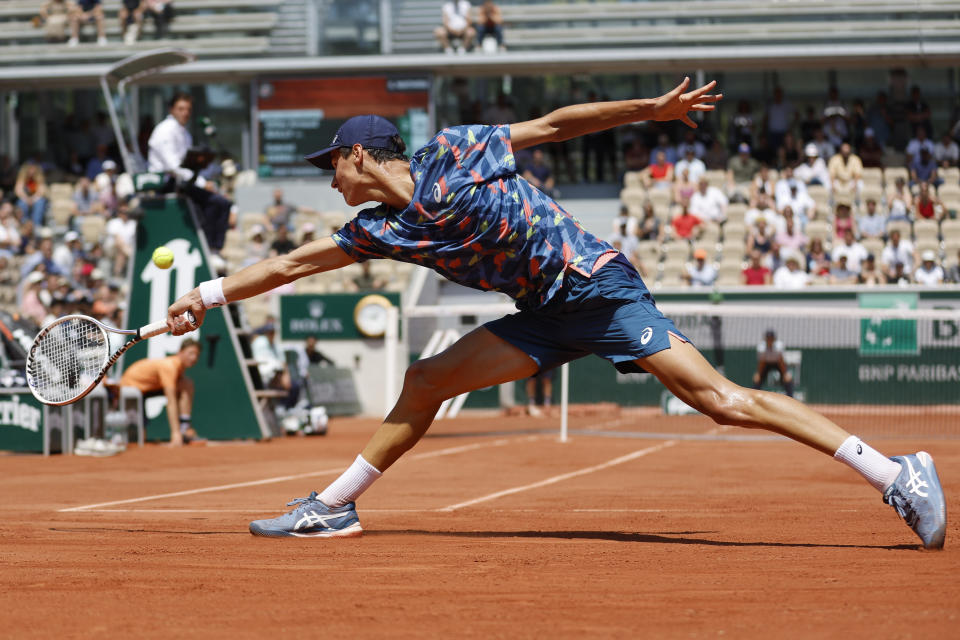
point(636, 60)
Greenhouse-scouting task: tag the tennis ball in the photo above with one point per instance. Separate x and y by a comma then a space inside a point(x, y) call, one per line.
point(163, 257)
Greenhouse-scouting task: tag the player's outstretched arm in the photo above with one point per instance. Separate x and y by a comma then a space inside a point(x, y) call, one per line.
point(580, 119)
point(316, 257)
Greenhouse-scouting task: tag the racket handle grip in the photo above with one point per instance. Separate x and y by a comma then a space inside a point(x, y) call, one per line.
point(156, 328)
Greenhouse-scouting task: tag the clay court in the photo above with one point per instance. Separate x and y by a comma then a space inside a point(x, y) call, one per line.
point(638, 527)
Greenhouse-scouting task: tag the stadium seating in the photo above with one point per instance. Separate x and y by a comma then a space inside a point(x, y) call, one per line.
point(208, 28)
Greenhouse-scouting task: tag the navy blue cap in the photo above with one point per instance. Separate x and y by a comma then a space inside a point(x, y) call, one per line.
point(372, 132)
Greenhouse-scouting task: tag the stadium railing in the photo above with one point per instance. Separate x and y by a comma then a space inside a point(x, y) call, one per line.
point(206, 27)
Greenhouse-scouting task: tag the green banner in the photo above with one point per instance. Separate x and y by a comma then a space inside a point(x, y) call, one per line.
point(21, 421)
point(888, 336)
point(329, 316)
point(223, 408)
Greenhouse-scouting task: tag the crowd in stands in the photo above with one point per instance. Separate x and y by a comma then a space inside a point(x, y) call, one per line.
point(62, 20)
point(822, 199)
point(464, 27)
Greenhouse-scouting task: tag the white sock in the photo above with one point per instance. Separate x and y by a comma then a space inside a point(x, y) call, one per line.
point(350, 484)
point(876, 468)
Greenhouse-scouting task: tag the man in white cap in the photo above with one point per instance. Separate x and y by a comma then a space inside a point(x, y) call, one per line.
point(929, 273)
point(814, 169)
point(66, 252)
point(790, 275)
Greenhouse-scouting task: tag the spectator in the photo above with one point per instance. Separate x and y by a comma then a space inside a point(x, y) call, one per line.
point(762, 184)
point(898, 275)
point(626, 221)
point(272, 365)
point(871, 224)
point(490, 24)
point(257, 247)
point(691, 163)
point(818, 260)
point(307, 233)
point(95, 164)
point(770, 358)
point(539, 174)
point(121, 234)
point(814, 169)
point(106, 184)
point(928, 206)
point(843, 219)
point(168, 145)
point(686, 225)
point(690, 142)
point(919, 142)
point(760, 237)
point(741, 126)
point(841, 273)
point(790, 237)
point(789, 153)
point(740, 171)
point(31, 304)
point(799, 202)
point(765, 211)
point(953, 273)
point(708, 203)
point(636, 157)
point(869, 274)
point(501, 112)
point(756, 272)
point(924, 169)
point(946, 152)
point(810, 123)
point(779, 118)
point(167, 376)
point(456, 26)
point(825, 148)
point(879, 119)
point(54, 16)
point(9, 231)
point(846, 171)
point(897, 251)
point(899, 201)
point(669, 151)
point(699, 273)
point(871, 153)
point(161, 12)
point(65, 253)
point(86, 11)
point(659, 174)
point(279, 211)
point(31, 192)
point(131, 19)
point(918, 112)
point(853, 250)
point(790, 275)
point(623, 241)
point(310, 355)
point(929, 273)
point(649, 226)
point(86, 200)
point(684, 187)
point(716, 157)
point(282, 243)
point(366, 280)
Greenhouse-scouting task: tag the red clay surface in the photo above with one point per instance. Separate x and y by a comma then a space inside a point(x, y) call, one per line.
point(742, 538)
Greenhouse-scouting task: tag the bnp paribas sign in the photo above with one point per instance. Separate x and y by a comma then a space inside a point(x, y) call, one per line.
point(224, 407)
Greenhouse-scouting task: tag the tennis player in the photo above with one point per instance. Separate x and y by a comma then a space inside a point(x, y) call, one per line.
point(459, 207)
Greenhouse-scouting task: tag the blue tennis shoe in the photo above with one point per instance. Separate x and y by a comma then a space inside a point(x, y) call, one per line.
point(311, 519)
point(917, 496)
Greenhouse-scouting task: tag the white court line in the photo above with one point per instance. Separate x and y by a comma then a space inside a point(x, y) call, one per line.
point(563, 476)
point(254, 483)
point(258, 510)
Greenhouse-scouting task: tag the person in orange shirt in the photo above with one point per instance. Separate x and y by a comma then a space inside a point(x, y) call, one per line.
point(153, 376)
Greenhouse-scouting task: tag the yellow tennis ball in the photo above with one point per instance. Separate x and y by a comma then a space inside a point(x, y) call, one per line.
point(163, 257)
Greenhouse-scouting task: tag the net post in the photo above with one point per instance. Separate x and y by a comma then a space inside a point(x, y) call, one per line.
point(564, 398)
point(391, 343)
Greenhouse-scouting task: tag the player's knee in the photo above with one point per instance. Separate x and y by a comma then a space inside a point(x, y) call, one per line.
point(423, 380)
point(729, 406)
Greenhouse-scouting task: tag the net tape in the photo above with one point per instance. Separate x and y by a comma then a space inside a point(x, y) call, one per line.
point(67, 358)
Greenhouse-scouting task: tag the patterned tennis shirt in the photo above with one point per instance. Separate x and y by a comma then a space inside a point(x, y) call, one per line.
point(476, 222)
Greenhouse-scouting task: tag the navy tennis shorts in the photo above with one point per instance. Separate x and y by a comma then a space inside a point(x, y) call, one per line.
point(611, 314)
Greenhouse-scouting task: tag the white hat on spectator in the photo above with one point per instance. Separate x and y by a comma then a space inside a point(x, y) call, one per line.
point(256, 230)
point(811, 150)
point(70, 236)
point(928, 255)
point(33, 277)
point(97, 274)
point(109, 165)
point(308, 228)
point(44, 232)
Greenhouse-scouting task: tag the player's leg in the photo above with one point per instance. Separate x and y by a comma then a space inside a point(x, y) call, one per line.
point(478, 360)
point(909, 483)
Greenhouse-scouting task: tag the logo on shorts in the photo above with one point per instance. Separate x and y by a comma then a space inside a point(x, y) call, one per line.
point(645, 335)
point(436, 191)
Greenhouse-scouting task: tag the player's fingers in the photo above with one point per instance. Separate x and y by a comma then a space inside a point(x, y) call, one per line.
point(702, 107)
point(680, 88)
point(702, 90)
point(687, 121)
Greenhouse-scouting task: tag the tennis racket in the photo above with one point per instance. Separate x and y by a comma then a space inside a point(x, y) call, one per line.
point(71, 355)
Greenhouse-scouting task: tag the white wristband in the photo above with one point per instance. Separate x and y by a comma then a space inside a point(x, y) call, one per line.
point(211, 292)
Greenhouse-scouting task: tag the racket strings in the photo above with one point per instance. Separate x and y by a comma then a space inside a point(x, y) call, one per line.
point(67, 359)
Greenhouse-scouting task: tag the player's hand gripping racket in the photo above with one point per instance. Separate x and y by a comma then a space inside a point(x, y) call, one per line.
point(71, 355)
